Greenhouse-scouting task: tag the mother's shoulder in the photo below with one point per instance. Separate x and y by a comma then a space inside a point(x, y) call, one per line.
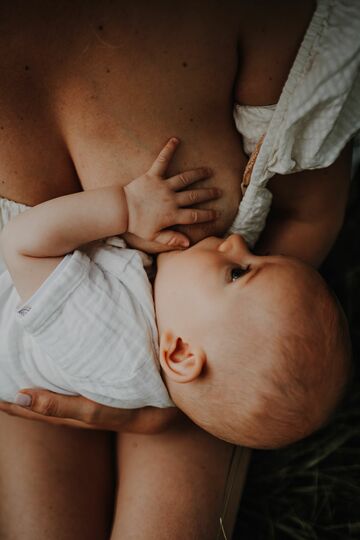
point(270, 35)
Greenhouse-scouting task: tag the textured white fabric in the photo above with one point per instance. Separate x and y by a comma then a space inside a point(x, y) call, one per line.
point(317, 114)
point(89, 330)
point(8, 210)
point(252, 122)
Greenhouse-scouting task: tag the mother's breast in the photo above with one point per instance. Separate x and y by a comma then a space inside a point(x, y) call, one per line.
point(96, 103)
point(115, 144)
point(34, 162)
point(117, 111)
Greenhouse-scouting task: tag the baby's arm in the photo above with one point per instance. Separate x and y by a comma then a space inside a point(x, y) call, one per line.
point(34, 242)
point(308, 211)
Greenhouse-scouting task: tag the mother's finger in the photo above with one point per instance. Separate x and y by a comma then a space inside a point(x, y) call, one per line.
point(55, 405)
point(161, 163)
point(181, 181)
point(195, 196)
point(21, 412)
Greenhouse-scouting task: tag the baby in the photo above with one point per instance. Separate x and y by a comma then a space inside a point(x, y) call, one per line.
point(253, 349)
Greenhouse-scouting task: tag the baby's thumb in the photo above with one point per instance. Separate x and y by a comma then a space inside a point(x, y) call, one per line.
point(172, 239)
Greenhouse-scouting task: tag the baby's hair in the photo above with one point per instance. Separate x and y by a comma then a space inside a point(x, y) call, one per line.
point(277, 383)
point(308, 373)
point(297, 400)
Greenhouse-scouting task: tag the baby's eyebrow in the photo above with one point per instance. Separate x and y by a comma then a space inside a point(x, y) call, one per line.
point(249, 276)
point(252, 274)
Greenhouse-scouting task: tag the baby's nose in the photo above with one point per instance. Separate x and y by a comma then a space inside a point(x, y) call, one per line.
point(234, 244)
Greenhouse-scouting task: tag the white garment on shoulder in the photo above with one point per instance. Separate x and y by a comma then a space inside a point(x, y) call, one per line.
point(317, 114)
point(8, 210)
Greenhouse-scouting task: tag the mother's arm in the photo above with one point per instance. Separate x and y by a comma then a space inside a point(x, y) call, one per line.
point(80, 412)
point(307, 211)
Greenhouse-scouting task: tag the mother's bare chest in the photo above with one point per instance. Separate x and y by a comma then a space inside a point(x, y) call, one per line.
point(91, 92)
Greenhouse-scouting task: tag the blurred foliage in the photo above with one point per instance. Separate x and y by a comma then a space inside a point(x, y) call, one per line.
point(311, 490)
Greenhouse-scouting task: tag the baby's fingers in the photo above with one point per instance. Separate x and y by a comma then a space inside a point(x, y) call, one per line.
point(181, 181)
point(161, 163)
point(192, 215)
point(172, 239)
point(195, 196)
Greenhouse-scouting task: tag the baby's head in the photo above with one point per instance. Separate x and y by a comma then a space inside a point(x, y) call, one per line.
point(253, 349)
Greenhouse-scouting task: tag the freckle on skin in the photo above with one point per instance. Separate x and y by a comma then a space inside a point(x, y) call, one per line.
point(191, 119)
point(27, 68)
point(100, 27)
point(184, 64)
point(107, 70)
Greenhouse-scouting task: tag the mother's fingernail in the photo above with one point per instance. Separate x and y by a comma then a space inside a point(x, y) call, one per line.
point(24, 400)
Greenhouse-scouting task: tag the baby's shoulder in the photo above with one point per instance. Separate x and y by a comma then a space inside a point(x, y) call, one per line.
point(125, 270)
point(113, 255)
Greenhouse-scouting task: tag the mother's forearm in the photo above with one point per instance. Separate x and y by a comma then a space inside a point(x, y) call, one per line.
point(308, 241)
point(150, 420)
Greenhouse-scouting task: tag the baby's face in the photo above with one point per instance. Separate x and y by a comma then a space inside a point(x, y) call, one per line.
point(211, 280)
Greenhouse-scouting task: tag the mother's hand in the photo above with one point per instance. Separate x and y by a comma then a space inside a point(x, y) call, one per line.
point(77, 411)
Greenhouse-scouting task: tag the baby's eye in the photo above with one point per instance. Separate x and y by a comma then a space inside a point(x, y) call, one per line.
point(237, 272)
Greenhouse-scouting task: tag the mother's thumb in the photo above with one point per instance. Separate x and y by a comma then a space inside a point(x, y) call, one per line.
point(41, 402)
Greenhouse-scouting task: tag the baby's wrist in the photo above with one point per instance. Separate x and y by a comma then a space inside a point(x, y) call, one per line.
point(130, 206)
point(123, 208)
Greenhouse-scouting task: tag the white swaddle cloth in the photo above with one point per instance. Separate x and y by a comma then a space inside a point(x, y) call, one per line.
point(89, 329)
point(317, 114)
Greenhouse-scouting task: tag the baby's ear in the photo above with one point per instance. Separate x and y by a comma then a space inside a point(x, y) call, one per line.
point(179, 361)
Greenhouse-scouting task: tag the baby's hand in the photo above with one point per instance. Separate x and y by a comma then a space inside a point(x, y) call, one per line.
point(155, 203)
